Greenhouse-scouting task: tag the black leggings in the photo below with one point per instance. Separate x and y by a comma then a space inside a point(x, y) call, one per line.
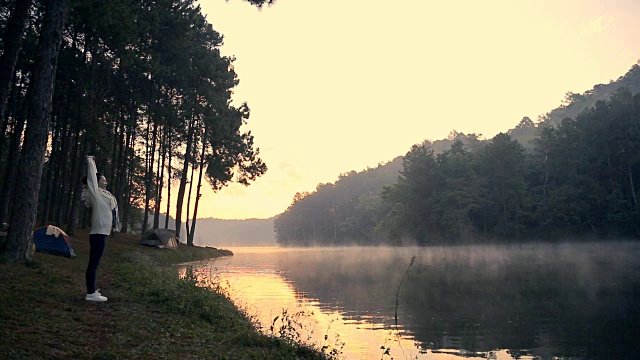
point(98, 243)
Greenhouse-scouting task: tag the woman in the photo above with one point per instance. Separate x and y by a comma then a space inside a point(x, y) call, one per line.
point(103, 220)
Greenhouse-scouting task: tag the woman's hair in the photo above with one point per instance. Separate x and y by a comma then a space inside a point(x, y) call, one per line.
point(84, 178)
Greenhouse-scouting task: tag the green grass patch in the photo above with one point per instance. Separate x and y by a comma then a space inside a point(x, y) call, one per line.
point(151, 312)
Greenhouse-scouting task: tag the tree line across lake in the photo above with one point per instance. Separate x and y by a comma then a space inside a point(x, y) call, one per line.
point(559, 178)
point(140, 85)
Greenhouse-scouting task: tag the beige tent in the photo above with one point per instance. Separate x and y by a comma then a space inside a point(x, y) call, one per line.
point(160, 238)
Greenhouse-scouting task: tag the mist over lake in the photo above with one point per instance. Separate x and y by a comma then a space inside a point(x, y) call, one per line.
point(540, 300)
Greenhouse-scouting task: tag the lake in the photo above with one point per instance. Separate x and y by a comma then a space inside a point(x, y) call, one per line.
point(535, 301)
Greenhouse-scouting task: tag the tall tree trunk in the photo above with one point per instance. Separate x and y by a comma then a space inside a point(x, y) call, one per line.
point(193, 169)
point(125, 184)
point(127, 192)
point(160, 172)
point(114, 157)
point(49, 178)
point(145, 218)
point(64, 177)
point(14, 32)
point(74, 176)
point(183, 177)
point(633, 189)
point(76, 209)
point(150, 176)
point(546, 177)
point(8, 185)
point(16, 110)
point(166, 219)
point(120, 162)
point(78, 170)
point(198, 194)
point(150, 159)
point(19, 239)
point(60, 162)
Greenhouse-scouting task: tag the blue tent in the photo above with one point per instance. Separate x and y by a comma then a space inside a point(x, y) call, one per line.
point(52, 240)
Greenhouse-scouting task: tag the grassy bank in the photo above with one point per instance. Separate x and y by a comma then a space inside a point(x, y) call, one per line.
point(151, 314)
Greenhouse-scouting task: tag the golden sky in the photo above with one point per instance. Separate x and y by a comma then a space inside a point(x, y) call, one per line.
point(341, 85)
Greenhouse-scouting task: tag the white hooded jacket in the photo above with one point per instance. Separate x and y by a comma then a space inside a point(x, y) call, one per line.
point(102, 202)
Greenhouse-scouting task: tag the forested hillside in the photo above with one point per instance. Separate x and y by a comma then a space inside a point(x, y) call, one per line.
point(339, 213)
point(141, 85)
point(576, 178)
point(575, 103)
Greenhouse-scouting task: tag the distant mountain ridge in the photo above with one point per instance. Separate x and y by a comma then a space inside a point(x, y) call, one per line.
point(228, 233)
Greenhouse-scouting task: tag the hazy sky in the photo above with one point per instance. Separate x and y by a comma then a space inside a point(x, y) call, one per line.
point(340, 85)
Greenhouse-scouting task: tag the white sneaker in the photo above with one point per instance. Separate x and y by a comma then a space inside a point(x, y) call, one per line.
point(96, 296)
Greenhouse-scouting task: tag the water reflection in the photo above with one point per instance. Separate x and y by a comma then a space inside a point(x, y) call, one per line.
point(544, 301)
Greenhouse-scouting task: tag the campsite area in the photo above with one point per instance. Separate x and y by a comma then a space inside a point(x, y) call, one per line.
point(151, 314)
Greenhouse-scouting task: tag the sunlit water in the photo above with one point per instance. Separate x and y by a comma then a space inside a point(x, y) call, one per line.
point(566, 301)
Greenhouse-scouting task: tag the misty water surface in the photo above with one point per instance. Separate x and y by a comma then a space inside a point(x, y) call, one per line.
point(564, 300)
